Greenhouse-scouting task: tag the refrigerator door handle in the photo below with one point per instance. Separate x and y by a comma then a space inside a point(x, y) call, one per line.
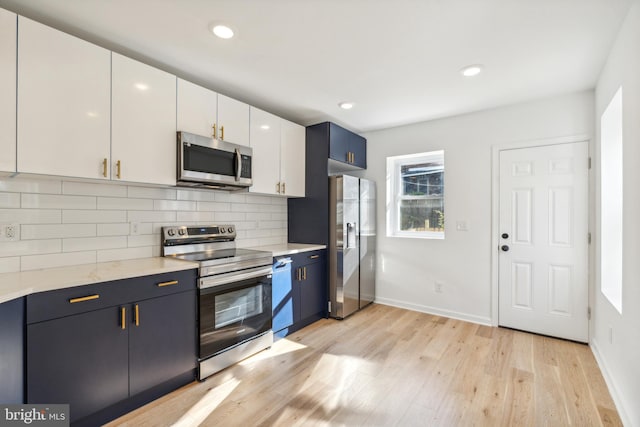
point(351, 230)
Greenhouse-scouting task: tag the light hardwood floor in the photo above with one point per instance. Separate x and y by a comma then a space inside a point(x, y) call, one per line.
point(386, 366)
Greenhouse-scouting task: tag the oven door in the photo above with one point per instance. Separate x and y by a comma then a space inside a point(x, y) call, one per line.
point(233, 310)
point(209, 161)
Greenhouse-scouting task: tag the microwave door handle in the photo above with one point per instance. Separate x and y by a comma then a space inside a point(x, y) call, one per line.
point(238, 164)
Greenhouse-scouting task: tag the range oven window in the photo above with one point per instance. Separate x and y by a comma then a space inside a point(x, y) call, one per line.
point(233, 313)
point(235, 306)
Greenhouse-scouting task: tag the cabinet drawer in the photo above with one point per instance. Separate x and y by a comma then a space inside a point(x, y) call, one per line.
point(306, 258)
point(80, 299)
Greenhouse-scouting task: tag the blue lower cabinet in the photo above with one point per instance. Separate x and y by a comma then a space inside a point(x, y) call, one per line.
point(120, 345)
point(12, 351)
point(299, 291)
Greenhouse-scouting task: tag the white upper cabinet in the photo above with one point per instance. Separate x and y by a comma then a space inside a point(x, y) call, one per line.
point(8, 22)
point(63, 103)
point(233, 120)
point(265, 143)
point(197, 109)
point(143, 123)
point(292, 158)
point(278, 162)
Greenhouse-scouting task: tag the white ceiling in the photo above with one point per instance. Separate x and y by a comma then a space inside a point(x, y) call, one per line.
point(398, 61)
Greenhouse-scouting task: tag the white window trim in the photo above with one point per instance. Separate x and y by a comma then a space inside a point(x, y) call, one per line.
point(394, 196)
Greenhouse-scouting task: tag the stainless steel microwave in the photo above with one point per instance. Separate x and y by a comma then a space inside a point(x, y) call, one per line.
point(207, 162)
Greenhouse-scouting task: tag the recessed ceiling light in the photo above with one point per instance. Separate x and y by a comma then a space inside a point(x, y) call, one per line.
point(346, 105)
point(141, 86)
point(265, 127)
point(471, 70)
point(222, 31)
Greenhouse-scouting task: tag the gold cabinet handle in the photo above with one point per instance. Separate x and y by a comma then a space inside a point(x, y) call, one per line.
point(173, 282)
point(104, 167)
point(298, 274)
point(222, 132)
point(214, 131)
point(118, 169)
point(314, 256)
point(137, 315)
point(278, 188)
point(284, 190)
point(353, 157)
point(123, 317)
point(304, 270)
point(82, 299)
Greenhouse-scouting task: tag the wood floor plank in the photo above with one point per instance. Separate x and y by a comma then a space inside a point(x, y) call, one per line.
point(386, 366)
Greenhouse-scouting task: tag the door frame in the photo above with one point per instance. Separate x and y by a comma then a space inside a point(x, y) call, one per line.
point(495, 213)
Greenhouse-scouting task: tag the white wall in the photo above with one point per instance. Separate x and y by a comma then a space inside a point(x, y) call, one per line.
point(619, 358)
point(407, 268)
point(69, 223)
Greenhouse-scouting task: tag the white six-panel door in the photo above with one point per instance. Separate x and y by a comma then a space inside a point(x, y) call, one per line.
point(543, 282)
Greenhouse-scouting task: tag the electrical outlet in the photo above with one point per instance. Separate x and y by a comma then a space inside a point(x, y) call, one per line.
point(437, 286)
point(134, 228)
point(462, 225)
point(9, 232)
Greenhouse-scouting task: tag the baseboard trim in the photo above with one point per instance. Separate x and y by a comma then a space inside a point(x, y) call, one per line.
point(435, 311)
point(611, 384)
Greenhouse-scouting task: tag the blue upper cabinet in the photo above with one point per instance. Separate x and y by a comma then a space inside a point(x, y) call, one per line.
point(347, 147)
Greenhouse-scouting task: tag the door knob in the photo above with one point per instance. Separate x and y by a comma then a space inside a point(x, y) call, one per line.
point(505, 248)
point(505, 236)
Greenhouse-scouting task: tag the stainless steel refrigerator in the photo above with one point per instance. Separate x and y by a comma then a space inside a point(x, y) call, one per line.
point(352, 244)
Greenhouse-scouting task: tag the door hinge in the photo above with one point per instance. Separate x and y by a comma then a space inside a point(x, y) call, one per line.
point(329, 306)
point(589, 163)
point(589, 238)
point(588, 313)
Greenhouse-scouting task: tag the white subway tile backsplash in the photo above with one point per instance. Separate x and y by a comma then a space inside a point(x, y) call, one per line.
point(53, 231)
point(30, 247)
point(195, 216)
point(113, 229)
point(94, 189)
point(120, 254)
point(213, 206)
point(9, 265)
point(174, 205)
point(55, 201)
point(31, 216)
point(124, 204)
point(9, 200)
point(93, 216)
point(196, 195)
point(93, 243)
point(36, 262)
point(151, 193)
point(151, 216)
point(67, 223)
point(21, 185)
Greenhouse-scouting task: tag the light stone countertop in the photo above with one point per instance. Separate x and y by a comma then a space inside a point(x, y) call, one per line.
point(289, 248)
point(15, 285)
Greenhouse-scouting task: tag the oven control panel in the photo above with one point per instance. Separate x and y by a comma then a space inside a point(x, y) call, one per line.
point(201, 233)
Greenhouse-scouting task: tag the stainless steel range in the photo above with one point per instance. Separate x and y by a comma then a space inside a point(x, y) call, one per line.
point(234, 293)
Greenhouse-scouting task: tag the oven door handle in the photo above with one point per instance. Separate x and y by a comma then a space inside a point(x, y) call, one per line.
point(223, 279)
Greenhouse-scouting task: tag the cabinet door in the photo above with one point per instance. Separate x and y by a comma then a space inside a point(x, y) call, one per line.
point(282, 296)
point(233, 120)
point(265, 142)
point(12, 351)
point(292, 158)
point(339, 143)
point(81, 360)
point(163, 344)
point(8, 22)
point(63, 103)
point(313, 299)
point(143, 123)
point(358, 149)
point(197, 109)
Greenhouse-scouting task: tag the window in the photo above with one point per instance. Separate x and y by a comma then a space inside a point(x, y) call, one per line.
point(611, 201)
point(415, 195)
